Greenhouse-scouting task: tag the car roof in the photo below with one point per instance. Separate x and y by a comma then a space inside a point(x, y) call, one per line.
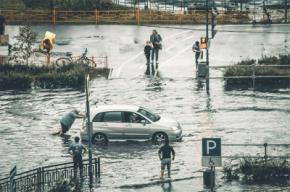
point(104, 108)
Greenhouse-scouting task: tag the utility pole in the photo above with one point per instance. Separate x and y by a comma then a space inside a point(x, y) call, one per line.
point(89, 131)
point(51, 7)
point(286, 10)
point(207, 46)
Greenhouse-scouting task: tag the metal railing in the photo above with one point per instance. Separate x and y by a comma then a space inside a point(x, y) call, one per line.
point(45, 178)
point(40, 59)
point(265, 148)
point(134, 16)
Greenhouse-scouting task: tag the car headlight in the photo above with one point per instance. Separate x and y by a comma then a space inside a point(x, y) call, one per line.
point(175, 128)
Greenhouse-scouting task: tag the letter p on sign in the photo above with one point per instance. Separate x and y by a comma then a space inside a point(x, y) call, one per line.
point(211, 151)
point(211, 147)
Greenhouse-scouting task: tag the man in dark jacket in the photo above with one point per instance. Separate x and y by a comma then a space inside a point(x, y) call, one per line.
point(164, 154)
point(155, 39)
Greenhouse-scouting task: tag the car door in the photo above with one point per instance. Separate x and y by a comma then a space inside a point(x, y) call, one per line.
point(136, 129)
point(110, 123)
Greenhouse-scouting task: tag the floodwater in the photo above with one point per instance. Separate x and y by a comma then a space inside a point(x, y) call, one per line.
point(237, 117)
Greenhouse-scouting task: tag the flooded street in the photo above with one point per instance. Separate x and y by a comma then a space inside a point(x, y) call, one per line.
point(237, 117)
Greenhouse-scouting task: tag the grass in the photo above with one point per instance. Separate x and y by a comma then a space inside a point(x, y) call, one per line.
point(240, 75)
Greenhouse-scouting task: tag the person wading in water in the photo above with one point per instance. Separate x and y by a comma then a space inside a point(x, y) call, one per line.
point(164, 154)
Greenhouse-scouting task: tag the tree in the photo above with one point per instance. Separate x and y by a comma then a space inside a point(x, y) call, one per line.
point(23, 48)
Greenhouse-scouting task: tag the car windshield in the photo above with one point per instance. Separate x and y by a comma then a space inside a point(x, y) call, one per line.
point(150, 115)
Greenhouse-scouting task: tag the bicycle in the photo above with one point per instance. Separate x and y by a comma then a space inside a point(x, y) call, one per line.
point(68, 59)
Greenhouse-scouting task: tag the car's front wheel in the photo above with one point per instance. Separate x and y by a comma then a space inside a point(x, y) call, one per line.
point(159, 138)
point(100, 139)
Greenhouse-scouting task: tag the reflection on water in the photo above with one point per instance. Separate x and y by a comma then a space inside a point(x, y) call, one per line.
point(29, 118)
point(166, 186)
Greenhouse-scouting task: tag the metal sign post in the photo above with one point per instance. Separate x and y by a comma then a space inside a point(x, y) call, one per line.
point(207, 52)
point(89, 130)
point(211, 157)
point(11, 178)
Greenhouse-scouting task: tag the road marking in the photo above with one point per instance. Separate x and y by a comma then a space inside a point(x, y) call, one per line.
point(167, 61)
point(120, 68)
point(176, 55)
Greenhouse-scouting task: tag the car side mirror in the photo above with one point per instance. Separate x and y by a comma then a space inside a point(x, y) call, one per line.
point(143, 122)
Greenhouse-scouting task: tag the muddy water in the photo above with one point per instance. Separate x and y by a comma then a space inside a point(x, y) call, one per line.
point(28, 118)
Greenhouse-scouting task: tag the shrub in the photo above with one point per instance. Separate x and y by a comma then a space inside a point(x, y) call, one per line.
point(235, 75)
point(27, 69)
point(272, 60)
point(54, 80)
point(68, 76)
point(15, 81)
point(259, 171)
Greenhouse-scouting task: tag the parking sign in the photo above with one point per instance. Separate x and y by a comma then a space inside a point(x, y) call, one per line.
point(211, 152)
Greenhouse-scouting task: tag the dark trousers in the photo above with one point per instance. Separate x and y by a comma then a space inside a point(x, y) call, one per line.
point(154, 52)
point(2, 30)
point(197, 54)
point(147, 59)
point(78, 163)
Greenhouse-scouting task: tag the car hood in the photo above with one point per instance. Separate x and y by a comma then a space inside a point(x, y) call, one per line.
point(167, 121)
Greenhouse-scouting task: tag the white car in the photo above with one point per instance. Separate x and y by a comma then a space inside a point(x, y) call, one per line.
point(129, 122)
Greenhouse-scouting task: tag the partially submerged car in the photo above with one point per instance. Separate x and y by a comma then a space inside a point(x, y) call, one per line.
point(130, 122)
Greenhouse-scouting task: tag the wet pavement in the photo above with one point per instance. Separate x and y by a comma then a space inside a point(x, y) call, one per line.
point(28, 118)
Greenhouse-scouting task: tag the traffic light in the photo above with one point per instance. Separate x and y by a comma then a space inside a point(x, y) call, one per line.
point(214, 14)
point(48, 41)
point(203, 42)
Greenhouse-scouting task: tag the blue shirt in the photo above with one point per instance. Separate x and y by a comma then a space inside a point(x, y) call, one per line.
point(76, 148)
point(69, 119)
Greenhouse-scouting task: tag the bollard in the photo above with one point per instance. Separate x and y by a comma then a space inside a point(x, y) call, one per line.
point(209, 178)
point(265, 150)
point(202, 69)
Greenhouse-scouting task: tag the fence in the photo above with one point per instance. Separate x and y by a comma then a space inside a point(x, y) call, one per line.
point(100, 62)
point(39, 58)
point(135, 16)
point(265, 147)
point(44, 178)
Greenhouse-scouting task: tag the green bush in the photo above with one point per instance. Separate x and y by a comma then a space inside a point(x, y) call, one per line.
point(258, 171)
point(57, 80)
point(235, 75)
point(27, 69)
point(68, 76)
point(15, 81)
point(274, 171)
point(247, 62)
